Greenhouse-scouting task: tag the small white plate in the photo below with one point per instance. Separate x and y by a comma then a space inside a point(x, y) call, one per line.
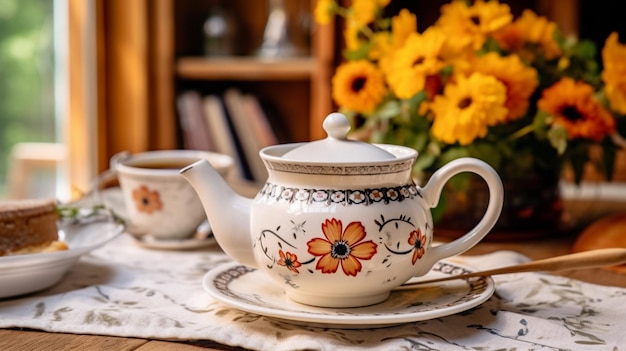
point(21, 274)
point(250, 290)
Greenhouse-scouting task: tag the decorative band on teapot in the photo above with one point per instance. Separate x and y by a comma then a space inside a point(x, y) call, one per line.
point(340, 196)
point(339, 169)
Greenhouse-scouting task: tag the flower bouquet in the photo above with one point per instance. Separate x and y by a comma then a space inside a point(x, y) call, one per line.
point(511, 91)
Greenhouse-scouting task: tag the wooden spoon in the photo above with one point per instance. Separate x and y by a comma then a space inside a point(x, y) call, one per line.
point(579, 260)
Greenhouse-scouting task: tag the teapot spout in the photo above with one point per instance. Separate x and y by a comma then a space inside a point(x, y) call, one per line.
point(227, 211)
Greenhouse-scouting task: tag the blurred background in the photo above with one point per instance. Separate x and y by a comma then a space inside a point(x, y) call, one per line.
point(85, 79)
point(32, 70)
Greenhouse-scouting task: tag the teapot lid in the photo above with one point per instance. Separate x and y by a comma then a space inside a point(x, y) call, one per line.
point(337, 147)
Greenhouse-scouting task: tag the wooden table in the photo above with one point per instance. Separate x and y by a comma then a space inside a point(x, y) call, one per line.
point(536, 249)
point(36, 340)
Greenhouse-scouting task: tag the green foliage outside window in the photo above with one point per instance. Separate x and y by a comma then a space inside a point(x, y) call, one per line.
point(26, 76)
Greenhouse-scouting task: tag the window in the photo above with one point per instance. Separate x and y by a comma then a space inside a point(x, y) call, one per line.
point(28, 106)
point(47, 95)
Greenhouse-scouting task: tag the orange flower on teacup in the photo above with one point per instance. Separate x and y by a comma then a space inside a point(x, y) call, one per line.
point(147, 200)
point(341, 247)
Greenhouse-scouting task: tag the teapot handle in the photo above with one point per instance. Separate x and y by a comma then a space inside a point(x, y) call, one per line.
point(432, 192)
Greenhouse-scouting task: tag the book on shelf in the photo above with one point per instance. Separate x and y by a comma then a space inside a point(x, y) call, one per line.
point(233, 123)
point(270, 113)
point(259, 121)
point(246, 127)
point(222, 130)
point(193, 123)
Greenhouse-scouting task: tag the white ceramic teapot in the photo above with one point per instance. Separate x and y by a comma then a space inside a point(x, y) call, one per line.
point(339, 223)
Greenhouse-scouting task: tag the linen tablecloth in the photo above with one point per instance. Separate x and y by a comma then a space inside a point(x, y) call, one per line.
point(123, 289)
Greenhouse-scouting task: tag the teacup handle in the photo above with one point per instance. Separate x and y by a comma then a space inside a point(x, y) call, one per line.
point(106, 177)
point(432, 192)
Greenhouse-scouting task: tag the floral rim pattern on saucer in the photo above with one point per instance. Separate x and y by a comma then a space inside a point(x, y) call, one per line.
point(250, 290)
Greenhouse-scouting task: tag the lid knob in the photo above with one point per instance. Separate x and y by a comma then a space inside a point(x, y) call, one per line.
point(336, 126)
point(337, 148)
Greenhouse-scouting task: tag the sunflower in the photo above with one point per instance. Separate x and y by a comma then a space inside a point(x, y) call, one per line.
point(614, 74)
point(359, 86)
point(520, 80)
point(469, 85)
point(289, 260)
point(471, 24)
point(146, 200)
point(417, 59)
point(467, 108)
point(341, 247)
point(530, 29)
point(574, 108)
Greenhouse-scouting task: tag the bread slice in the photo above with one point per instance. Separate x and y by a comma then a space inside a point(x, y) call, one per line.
point(606, 232)
point(29, 226)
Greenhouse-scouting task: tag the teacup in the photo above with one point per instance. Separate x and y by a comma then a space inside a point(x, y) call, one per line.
point(159, 201)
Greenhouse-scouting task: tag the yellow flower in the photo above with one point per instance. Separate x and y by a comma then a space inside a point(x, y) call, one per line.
point(364, 11)
point(614, 74)
point(358, 85)
point(324, 11)
point(520, 80)
point(574, 108)
point(341, 247)
point(470, 25)
point(351, 35)
point(467, 108)
point(402, 26)
point(417, 59)
point(476, 76)
point(533, 29)
point(381, 46)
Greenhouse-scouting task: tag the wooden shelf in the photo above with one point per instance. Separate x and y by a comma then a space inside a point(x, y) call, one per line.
point(245, 68)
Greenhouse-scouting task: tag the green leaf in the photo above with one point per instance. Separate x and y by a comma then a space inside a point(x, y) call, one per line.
point(387, 110)
point(424, 161)
point(438, 211)
point(540, 123)
point(358, 54)
point(414, 102)
point(460, 182)
point(557, 136)
point(586, 49)
point(420, 140)
point(452, 154)
point(490, 153)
